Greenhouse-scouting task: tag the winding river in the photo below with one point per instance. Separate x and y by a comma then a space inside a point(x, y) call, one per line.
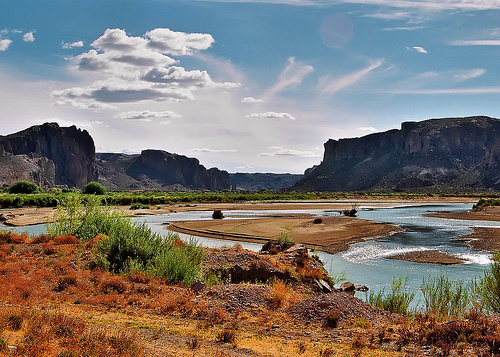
point(365, 263)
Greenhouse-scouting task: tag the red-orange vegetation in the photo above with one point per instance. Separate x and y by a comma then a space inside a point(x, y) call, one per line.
point(66, 239)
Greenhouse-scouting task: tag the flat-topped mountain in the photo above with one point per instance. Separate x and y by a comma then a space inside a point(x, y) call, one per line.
point(49, 155)
point(157, 169)
point(451, 154)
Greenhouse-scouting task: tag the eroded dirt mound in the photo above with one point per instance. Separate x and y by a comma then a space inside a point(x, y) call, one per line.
point(345, 307)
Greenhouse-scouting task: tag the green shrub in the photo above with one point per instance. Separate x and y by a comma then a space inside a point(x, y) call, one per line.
point(445, 297)
point(127, 246)
point(24, 187)
point(95, 188)
point(397, 300)
point(488, 287)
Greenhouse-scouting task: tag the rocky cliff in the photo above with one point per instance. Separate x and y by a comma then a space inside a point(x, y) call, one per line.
point(60, 155)
point(157, 169)
point(451, 154)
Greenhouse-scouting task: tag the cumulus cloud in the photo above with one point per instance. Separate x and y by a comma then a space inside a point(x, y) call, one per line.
point(328, 85)
point(271, 115)
point(29, 37)
point(4, 44)
point(70, 45)
point(251, 100)
point(146, 115)
point(417, 49)
point(134, 69)
point(279, 151)
point(178, 43)
point(207, 150)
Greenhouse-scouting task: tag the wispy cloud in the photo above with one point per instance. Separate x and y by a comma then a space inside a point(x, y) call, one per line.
point(475, 43)
point(367, 129)
point(207, 150)
point(417, 49)
point(394, 15)
point(251, 100)
point(404, 28)
point(291, 77)
point(279, 151)
point(480, 90)
point(328, 85)
point(470, 74)
point(271, 115)
point(146, 115)
point(436, 5)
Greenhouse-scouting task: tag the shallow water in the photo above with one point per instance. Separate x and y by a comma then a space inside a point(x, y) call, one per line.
point(365, 263)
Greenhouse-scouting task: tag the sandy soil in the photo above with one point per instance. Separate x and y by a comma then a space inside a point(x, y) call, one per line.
point(429, 257)
point(333, 235)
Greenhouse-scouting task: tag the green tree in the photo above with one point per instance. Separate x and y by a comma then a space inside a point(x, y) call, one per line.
point(95, 188)
point(23, 186)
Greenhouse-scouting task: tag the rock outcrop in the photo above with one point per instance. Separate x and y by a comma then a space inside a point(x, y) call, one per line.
point(55, 155)
point(451, 154)
point(157, 169)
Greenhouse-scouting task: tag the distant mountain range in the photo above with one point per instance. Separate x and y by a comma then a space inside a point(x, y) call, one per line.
point(436, 155)
point(52, 156)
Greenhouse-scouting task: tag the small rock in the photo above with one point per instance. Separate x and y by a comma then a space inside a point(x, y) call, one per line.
point(360, 288)
point(347, 286)
point(198, 286)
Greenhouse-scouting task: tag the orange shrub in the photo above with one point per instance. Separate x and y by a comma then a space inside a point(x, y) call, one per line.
point(114, 284)
point(41, 238)
point(66, 239)
point(48, 248)
point(282, 295)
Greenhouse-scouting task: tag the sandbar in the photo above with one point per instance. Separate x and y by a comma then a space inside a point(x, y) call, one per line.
point(333, 235)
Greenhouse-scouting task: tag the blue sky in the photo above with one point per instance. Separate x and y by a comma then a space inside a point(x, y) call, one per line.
point(246, 86)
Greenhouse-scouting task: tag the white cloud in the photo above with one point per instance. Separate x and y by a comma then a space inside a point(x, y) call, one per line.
point(417, 49)
point(466, 75)
point(369, 129)
point(279, 151)
point(206, 150)
point(134, 69)
point(178, 43)
point(4, 44)
point(244, 167)
point(404, 28)
point(396, 15)
point(328, 85)
point(291, 77)
point(475, 43)
point(85, 105)
point(69, 45)
point(479, 90)
point(146, 115)
point(251, 100)
point(29, 37)
point(271, 115)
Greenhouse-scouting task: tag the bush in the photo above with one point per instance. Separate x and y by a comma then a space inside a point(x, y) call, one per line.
point(95, 188)
point(445, 297)
point(24, 187)
point(488, 287)
point(124, 246)
point(397, 300)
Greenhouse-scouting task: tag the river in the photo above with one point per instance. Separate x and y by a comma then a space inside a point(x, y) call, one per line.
point(365, 263)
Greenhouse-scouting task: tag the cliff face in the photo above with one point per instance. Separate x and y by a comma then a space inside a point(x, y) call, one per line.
point(438, 154)
point(70, 150)
point(157, 169)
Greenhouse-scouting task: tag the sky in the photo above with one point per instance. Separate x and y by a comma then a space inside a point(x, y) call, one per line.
point(245, 85)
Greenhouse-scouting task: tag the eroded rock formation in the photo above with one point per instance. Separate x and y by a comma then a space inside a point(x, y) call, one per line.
point(60, 155)
point(451, 154)
point(157, 169)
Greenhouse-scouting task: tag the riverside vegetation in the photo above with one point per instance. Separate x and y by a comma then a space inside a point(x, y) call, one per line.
point(101, 284)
